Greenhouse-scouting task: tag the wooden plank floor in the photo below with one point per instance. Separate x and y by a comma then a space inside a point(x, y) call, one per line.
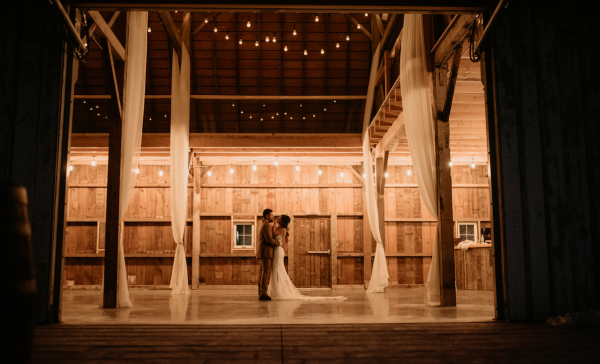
point(406, 343)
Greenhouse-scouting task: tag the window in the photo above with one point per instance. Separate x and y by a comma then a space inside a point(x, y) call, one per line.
point(243, 234)
point(467, 231)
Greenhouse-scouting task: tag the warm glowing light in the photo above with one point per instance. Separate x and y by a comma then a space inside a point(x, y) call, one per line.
point(314, 115)
point(297, 167)
point(276, 163)
point(241, 112)
point(70, 167)
point(386, 175)
point(250, 116)
point(294, 33)
point(231, 170)
point(337, 45)
point(215, 29)
point(274, 39)
point(305, 52)
point(409, 172)
point(256, 43)
point(227, 35)
point(84, 101)
point(342, 174)
point(285, 48)
point(93, 162)
point(240, 40)
point(366, 14)
point(267, 39)
point(149, 30)
point(248, 23)
point(317, 18)
point(348, 37)
point(325, 109)
point(209, 173)
point(357, 26)
point(364, 175)
point(473, 165)
point(320, 172)
point(160, 173)
point(97, 106)
point(233, 105)
point(137, 170)
point(450, 164)
point(91, 108)
point(254, 166)
point(205, 19)
point(322, 51)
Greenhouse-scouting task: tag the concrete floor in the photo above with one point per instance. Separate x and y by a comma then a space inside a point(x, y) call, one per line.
point(242, 307)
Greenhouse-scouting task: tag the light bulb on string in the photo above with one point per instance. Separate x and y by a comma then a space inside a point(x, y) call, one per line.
point(137, 171)
point(358, 26)
point(473, 164)
point(149, 30)
point(206, 19)
point(209, 173)
point(322, 51)
point(285, 48)
point(93, 161)
point(450, 164)
point(254, 166)
point(317, 18)
point(70, 167)
point(84, 101)
point(256, 43)
point(298, 166)
point(409, 172)
point(231, 169)
point(160, 173)
point(248, 23)
point(267, 38)
point(274, 39)
point(276, 162)
point(342, 174)
point(294, 32)
point(305, 52)
point(348, 37)
point(227, 35)
point(215, 29)
point(319, 172)
point(366, 14)
point(364, 175)
point(337, 45)
point(240, 40)
point(386, 175)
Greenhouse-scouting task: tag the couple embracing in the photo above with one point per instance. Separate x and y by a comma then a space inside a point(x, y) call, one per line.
point(273, 281)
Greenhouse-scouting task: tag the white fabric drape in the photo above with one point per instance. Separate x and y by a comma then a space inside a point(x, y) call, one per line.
point(133, 118)
point(180, 129)
point(418, 118)
point(379, 274)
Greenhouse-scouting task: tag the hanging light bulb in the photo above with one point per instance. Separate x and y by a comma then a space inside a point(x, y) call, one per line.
point(227, 35)
point(160, 173)
point(473, 164)
point(386, 175)
point(337, 45)
point(305, 52)
point(342, 174)
point(409, 172)
point(267, 38)
point(322, 51)
point(334, 101)
point(325, 109)
point(137, 170)
point(205, 19)
point(364, 175)
point(300, 105)
point(304, 118)
point(231, 169)
point(240, 40)
point(215, 29)
point(317, 18)
point(366, 14)
point(175, 11)
point(294, 32)
point(254, 166)
point(256, 43)
point(298, 166)
point(314, 115)
point(450, 164)
point(285, 113)
point(91, 108)
point(319, 172)
point(248, 23)
point(93, 161)
point(241, 112)
point(84, 101)
point(149, 30)
point(233, 105)
point(209, 173)
point(70, 167)
point(276, 163)
point(285, 48)
point(274, 39)
point(250, 116)
point(357, 25)
point(348, 37)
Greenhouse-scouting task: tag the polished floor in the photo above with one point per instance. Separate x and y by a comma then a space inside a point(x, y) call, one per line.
point(242, 307)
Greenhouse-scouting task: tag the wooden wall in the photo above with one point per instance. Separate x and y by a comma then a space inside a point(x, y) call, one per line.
point(311, 198)
point(544, 134)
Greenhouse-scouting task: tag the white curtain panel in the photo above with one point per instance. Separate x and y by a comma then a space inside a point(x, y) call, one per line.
point(180, 130)
point(418, 118)
point(379, 274)
point(133, 119)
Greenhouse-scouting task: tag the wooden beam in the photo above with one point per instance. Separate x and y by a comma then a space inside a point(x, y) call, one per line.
point(375, 40)
point(452, 35)
point(452, 84)
point(196, 208)
point(388, 29)
point(391, 138)
point(380, 168)
point(355, 22)
point(108, 33)
point(356, 174)
point(379, 24)
point(115, 82)
point(396, 46)
point(239, 97)
point(172, 31)
point(95, 25)
point(334, 247)
point(201, 26)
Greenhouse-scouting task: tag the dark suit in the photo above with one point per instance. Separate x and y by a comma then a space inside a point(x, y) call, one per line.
point(264, 254)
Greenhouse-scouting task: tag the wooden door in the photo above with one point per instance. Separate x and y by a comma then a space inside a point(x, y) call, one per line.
point(312, 249)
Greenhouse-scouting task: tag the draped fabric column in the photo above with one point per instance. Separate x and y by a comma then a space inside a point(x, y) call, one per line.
point(418, 118)
point(180, 129)
point(379, 275)
point(133, 119)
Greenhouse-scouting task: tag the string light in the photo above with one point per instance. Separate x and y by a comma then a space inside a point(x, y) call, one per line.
point(70, 167)
point(297, 166)
point(320, 172)
point(227, 35)
point(473, 164)
point(231, 169)
point(254, 166)
point(285, 48)
point(84, 101)
point(357, 25)
point(233, 105)
point(149, 30)
point(150, 119)
point(450, 164)
point(325, 109)
point(276, 163)
point(93, 161)
point(317, 18)
point(160, 173)
point(240, 40)
point(256, 43)
point(305, 52)
point(304, 118)
point(386, 175)
point(342, 174)
point(285, 113)
point(137, 171)
point(314, 115)
point(250, 116)
point(337, 45)
point(334, 101)
point(409, 172)
point(215, 29)
point(175, 11)
point(206, 20)
point(294, 30)
point(91, 108)
point(348, 37)
point(274, 39)
point(209, 173)
point(248, 23)
point(97, 106)
point(364, 175)
point(366, 14)
point(322, 51)
point(241, 112)
point(267, 38)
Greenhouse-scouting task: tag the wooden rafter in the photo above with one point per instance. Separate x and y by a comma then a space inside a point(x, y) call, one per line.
point(172, 31)
point(108, 33)
point(95, 25)
point(201, 26)
point(379, 24)
point(355, 22)
point(453, 33)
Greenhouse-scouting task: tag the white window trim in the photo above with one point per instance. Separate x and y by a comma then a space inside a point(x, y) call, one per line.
point(252, 223)
point(476, 232)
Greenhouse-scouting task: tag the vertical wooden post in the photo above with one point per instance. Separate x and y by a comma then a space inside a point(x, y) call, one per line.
point(386, 67)
point(196, 200)
point(381, 168)
point(334, 248)
point(366, 238)
point(291, 254)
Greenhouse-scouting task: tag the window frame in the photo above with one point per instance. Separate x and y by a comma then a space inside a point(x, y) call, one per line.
point(252, 224)
point(475, 233)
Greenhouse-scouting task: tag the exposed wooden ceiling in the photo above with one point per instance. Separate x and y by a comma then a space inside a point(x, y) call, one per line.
point(225, 67)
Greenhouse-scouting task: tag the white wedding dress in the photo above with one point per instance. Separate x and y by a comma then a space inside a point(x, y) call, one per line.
point(281, 287)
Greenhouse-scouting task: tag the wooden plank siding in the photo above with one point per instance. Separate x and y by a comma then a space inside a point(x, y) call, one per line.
point(148, 241)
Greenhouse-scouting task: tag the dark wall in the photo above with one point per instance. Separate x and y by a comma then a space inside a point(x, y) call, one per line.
point(545, 58)
point(30, 86)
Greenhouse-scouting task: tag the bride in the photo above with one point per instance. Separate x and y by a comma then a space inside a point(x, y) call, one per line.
point(281, 287)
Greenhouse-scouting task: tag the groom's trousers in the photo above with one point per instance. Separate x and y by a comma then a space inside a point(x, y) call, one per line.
point(264, 275)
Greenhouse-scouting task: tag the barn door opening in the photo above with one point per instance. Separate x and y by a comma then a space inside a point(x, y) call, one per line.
point(312, 249)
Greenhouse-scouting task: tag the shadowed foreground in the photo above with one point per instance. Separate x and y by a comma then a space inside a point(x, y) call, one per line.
point(407, 343)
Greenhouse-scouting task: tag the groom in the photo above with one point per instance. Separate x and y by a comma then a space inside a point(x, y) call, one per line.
point(264, 254)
